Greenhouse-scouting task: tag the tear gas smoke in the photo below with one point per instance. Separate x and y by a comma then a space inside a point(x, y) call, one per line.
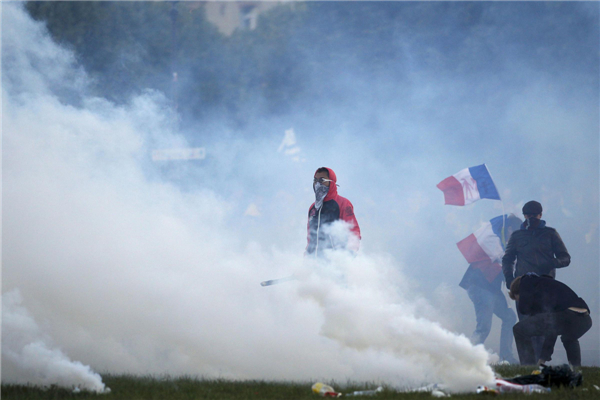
point(128, 272)
point(30, 357)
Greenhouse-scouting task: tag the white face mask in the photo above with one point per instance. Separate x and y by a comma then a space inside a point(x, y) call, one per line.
point(320, 193)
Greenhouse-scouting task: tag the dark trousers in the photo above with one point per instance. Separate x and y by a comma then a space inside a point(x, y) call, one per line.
point(569, 325)
point(536, 341)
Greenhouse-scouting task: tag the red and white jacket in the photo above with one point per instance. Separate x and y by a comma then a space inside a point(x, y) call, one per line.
point(335, 207)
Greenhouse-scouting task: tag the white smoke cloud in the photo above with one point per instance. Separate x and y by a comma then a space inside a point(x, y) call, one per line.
point(373, 310)
point(132, 274)
point(28, 356)
point(289, 146)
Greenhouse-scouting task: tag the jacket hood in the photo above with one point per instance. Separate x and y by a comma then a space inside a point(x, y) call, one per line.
point(332, 193)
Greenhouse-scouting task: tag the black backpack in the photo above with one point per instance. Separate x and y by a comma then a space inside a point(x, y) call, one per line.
point(548, 376)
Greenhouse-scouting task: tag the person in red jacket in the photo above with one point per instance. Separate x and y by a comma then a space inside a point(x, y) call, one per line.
point(329, 207)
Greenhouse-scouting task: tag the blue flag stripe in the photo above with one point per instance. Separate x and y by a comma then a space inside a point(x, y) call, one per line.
point(497, 227)
point(485, 184)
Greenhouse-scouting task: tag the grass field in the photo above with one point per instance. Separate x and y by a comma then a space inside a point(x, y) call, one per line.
point(147, 388)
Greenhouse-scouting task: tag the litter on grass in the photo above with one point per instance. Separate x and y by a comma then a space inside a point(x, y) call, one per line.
point(439, 393)
point(324, 390)
point(366, 392)
point(509, 387)
point(550, 376)
point(328, 391)
point(539, 381)
point(486, 390)
point(436, 390)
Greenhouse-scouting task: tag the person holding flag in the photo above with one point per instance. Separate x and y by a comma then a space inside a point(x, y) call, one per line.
point(483, 281)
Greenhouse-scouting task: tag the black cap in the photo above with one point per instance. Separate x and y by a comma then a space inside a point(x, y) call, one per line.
point(532, 208)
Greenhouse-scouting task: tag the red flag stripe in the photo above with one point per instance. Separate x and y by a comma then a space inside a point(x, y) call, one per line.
point(453, 191)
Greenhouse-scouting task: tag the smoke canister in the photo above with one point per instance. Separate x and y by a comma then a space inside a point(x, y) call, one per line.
point(324, 390)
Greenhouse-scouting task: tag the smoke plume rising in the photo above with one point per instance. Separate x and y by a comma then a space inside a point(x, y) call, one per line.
point(126, 271)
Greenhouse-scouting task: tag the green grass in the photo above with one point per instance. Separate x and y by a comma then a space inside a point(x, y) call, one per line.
point(129, 387)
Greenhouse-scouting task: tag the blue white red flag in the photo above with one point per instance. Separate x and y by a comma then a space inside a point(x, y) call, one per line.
point(468, 186)
point(487, 243)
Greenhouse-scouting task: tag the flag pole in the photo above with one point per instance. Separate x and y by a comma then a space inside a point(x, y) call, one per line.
point(503, 225)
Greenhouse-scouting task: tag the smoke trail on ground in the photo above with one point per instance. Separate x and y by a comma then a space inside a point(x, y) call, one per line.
point(363, 312)
point(28, 357)
point(129, 273)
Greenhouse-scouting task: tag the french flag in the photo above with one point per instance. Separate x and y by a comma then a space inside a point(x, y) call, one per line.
point(468, 186)
point(486, 243)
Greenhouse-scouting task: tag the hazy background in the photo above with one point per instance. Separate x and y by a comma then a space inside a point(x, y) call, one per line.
point(129, 265)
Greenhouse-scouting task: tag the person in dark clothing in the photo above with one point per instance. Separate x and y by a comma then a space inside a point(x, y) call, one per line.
point(536, 247)
point(328, 208)
point(483, 283)
point(553, 309)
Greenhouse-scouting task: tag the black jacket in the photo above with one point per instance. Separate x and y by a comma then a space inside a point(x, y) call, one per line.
point(539, 250)
point(543, 294)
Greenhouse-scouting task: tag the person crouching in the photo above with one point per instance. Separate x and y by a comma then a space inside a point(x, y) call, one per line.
point(552, 309)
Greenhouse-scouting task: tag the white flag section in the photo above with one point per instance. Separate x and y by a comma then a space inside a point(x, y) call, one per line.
point(469, 185)
point(485, 244)
point(489, 242)
point(197, 153)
